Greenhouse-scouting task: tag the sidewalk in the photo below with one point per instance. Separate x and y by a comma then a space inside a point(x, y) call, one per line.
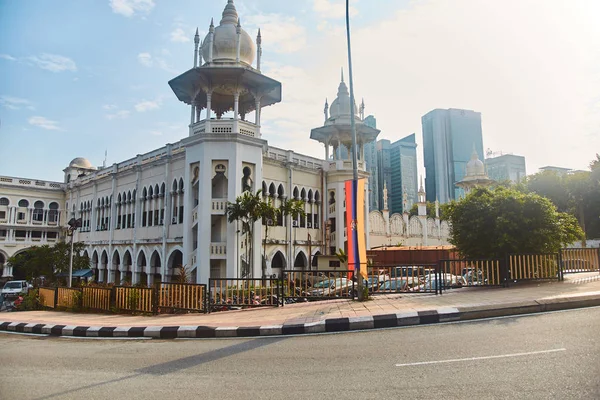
point(578, 290)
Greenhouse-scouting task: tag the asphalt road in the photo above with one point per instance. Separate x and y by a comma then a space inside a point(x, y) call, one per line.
point(546, 356)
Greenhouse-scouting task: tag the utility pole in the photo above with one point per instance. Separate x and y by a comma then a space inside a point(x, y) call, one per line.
point(353, 129)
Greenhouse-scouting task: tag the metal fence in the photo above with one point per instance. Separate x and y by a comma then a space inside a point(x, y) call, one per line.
point(181, 296)
point(580, 260)
point(414, 278)
point(227, 293)
point(458, 273)
point(310, 285)
point(534, 266)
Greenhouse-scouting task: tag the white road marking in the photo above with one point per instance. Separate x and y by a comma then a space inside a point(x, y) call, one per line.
point(480, 358)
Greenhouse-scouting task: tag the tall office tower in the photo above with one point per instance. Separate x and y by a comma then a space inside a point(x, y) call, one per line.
point(371, 160)
point(403, 166)
point(397, 167)
point(506, 167)
point(449, 137)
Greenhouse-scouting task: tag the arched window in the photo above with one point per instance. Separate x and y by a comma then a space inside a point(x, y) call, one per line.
point(38, 211)
point(4, 201)
point(23, 203)
point(53, 213)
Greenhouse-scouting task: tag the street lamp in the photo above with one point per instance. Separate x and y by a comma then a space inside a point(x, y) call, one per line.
point(73, 225)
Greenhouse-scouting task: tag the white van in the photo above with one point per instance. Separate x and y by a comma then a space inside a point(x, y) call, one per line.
point(14, 288)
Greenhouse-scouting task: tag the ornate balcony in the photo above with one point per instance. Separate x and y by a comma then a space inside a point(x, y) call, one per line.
point(219, 206)
point(218, 250)
point(225, 126)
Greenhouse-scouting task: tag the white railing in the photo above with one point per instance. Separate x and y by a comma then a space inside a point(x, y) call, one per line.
point(332, 209)
point(218, 249)
point(225, 126)
point(345, 165)
point(219, 206)
point(31, 183)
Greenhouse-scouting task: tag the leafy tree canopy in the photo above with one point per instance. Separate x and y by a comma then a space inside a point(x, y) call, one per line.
point(492, 223)
point(430, 210)
point(48, 261)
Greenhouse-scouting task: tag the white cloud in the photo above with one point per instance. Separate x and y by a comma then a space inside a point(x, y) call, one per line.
point(121, 114)
point(7, 57)
point(147, 105)
point(280, 33)
point(148, 61)
point(53, 62)
point(155, 133)
point(15, 103)
point(109, 107)
point(332, 9)
point(44, 123)
point(129, 8)
point(179, 36)
point(145, 59)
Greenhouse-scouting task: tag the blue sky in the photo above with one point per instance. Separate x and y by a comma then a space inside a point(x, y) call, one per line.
point(84, 76)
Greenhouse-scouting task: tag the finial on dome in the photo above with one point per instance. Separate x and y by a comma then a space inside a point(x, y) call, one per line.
point(212, 25)
point(474, 155)
point(258, 33)
point(196, 37)
point(230, 15)
point(342, 74)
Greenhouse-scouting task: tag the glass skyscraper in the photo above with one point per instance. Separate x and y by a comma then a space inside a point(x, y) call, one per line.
point(449, 137)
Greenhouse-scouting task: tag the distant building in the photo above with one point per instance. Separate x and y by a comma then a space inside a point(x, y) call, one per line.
point(506, 167)
point(448, 138)
point(558, 170)
point(397, 168)
point(371, 160)
point(475, 175)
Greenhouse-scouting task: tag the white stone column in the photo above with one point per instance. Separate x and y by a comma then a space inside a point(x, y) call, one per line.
point(101, 275)
point(207, 127)
point(236, 105)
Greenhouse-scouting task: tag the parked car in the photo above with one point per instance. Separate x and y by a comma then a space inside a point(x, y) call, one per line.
point(14, 288)
point(394, 285)
point(331, 288)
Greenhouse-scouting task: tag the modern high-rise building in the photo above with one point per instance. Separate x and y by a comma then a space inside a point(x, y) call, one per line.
point(449, 137)
point(371, 160)
point(397, 168)
point(506, 167)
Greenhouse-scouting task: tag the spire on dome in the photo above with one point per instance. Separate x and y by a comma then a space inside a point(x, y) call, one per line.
point(196, 37)
point(474, 155)
point(342, 74)
point(230, 15)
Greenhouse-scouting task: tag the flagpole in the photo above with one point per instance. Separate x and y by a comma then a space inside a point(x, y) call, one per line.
point(353, 130)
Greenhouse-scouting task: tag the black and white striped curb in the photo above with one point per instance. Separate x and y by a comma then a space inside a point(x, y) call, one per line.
point(173, 332)
point(585, 280)
point(408, 318)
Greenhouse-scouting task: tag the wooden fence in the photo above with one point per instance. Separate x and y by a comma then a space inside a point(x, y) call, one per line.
point(68, 297)
point(533, 266)
point(96, 298)
point(47, 297)
point(134, 299)
point(182, 296)
point(580, 260)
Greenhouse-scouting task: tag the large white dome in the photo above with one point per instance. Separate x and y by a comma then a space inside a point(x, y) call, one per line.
point(225, 39)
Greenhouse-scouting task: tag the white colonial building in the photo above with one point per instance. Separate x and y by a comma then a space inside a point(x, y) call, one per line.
point(145, 217)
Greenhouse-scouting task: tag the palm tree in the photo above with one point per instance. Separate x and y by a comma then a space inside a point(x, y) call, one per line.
point(237, 214)
point(293, 208)
point(247, 210)
point(268, 212)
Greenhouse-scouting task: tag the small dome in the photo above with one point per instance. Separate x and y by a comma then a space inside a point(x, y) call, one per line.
point(82, 163)
point(341, 105)
point(475, 166)
point(225, 39)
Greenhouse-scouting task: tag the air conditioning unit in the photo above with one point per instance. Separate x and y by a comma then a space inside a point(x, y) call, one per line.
point(274, 276)
point(162, 221)
point(309, 225)
point(295, 224)
point(174, 220)
point(269, 222)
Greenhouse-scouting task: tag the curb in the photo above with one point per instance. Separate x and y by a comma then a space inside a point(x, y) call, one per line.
point(410, 318)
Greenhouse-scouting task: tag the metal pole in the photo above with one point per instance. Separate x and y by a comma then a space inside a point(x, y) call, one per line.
point(71, 259)
point(353, 129)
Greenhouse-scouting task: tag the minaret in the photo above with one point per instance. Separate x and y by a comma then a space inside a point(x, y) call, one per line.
point(211, 39)
point(196, 43)
point(238, 31)
point(422, 204)
point(258, 50)
point(362, 110)
point(385, 212)
point(231, 147)
point(326, 109)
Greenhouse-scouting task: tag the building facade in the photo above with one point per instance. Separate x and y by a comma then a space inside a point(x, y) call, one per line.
point(506, 167)
point(371, 160)
point(146, 217)
point(448, 137)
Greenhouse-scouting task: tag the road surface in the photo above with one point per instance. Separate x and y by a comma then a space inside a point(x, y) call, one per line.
point(545, 356)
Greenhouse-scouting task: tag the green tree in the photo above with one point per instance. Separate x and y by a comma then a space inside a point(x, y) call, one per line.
point(48, 261)
point(246, 210)
point(269, 213)
point(294, 208)
point(492, 223)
